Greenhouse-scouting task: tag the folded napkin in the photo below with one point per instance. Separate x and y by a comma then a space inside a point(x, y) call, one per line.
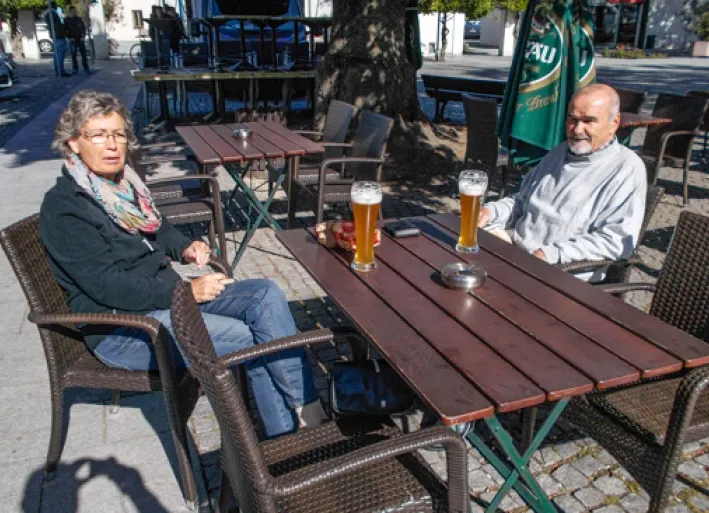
point(341, 234)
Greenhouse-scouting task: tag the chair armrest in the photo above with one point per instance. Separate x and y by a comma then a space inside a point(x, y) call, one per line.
point(147, 324)
point(220, 265)
point(274, 346)
point(317, 473)
point(667, 136)
point(312, 133)
point(596, 264)
point(331, 144)
point(620, 288)
point(163, 144)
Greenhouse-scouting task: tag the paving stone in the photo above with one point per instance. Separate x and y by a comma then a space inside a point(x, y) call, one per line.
point(549, 457)
point(703, 460)
point(677, 508)
point(567, 450)
point(610, 485)
point(693, 470)
point(507, 503)
point(590, 496)
point(567, 504)
point(589, 466)
point(679, 487)
point(609, 509)
point(494, 474)
point(700, 501)
point(570, 477)
point(479, 481)
point(635, 503)
point(550, 485)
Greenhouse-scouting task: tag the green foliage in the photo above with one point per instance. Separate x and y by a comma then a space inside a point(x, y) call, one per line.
point(701, 25)
point(624, 52)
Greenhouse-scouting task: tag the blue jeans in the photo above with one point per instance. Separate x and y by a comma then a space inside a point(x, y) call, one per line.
point(246, 313)
point(60, 48)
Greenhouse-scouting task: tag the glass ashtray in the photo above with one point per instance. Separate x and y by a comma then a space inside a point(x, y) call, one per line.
point(242, 133)
point(462, 276)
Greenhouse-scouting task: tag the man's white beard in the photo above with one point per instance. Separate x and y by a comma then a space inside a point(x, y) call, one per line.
point(580, 147)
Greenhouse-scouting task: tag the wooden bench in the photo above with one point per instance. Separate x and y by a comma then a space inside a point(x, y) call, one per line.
point(446, 89)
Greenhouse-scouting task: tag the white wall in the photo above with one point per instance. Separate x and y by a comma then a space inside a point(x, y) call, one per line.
point(668, 26)
point(25, 24)
point(497, 29)
point(121, 30)
point(429, 26)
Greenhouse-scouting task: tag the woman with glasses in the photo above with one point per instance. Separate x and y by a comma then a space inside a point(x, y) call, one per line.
point(110, 250)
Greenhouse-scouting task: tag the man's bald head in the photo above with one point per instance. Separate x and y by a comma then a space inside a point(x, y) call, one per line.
point(592, 119)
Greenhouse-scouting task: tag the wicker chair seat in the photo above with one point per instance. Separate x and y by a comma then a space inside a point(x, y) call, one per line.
point(403, 484)
point(162, 193)
point(185, 210)
point(647, 409)
point(308, 175)
point(339, 193)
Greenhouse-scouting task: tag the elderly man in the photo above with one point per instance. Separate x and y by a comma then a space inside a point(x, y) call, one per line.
point(586, 198)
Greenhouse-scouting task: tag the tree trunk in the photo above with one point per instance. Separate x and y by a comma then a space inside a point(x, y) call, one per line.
point(366, 63)
point(444, 37)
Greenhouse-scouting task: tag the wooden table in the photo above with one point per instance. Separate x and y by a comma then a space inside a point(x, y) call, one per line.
point(531, 335)
point(632, 120)
point(214, 144)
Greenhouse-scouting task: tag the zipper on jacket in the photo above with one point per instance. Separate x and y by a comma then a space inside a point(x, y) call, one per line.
point(145, 241)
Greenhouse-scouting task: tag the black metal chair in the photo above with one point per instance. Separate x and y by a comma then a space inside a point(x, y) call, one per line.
point(704, 127)
point(354, 465)
point(483, 146)
point(671, 144)
point(363, 160)
point(645, 425)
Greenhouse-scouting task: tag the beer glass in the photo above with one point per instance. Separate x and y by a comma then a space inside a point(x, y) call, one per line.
point(472, 185)
point(366, 199)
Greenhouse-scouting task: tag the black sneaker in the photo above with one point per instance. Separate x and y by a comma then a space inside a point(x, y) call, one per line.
point(66, 74)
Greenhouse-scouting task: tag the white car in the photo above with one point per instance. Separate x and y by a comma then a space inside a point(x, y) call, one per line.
point(44, 38)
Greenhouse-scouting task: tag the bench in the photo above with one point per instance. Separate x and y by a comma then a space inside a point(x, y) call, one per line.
point(446, 89)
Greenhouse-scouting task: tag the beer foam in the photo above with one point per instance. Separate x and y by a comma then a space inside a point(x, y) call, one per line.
point(471, 189)
point(367, 197)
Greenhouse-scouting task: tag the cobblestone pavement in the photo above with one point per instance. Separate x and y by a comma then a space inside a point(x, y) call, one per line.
point(37, 88)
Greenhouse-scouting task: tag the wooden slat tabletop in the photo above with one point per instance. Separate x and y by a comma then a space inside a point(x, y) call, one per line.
point(531, 334)
point(203, 151)
point(288, 146)
point(219, 143)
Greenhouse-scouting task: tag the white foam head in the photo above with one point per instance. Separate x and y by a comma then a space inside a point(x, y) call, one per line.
point(472, 182)
point(366, 193)
point(471, 189)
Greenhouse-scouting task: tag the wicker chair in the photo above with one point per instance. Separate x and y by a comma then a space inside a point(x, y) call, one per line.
point(630, 101)
point(619, 270)
point(483, 146)
point(704, 127)
point(645, 425)
point(71, 365)
point(671, 144)
point(355, 465)
point(365, 160)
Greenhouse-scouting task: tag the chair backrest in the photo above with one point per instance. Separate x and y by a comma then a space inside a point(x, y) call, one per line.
point(241, 455)
point(337, 126)
point(682, 295)
point(371, 142)
point(630, 99)
point(30, 262)
point(705, 120)
point(482, 144)
point(686, 113)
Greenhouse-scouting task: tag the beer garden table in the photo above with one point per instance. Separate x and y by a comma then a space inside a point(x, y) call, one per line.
point(213, 144)
point(532, 334)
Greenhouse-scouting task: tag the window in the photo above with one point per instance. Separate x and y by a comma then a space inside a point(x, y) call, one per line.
point(137, 17)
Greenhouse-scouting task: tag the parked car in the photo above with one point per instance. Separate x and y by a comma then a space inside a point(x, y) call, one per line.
point(472, 29)
point(44, 38)
point(8, 71)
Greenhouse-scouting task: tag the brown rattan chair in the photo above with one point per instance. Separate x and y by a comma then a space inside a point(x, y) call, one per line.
point(364, 159)
point(671, 144)
point(189, 199)
point(354, 465)
point(646, 424)
point(619, 270)
point(482, 148)
point(71, 365)
point(630, 101)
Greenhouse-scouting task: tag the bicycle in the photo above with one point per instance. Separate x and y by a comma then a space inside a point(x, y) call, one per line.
point(135, 53)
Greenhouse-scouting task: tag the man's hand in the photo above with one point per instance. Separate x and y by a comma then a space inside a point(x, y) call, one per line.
point(197, 252)
point(208, 287)
point(484, 217)
point(540, 255)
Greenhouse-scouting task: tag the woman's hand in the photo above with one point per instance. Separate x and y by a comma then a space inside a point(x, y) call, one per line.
point(197, 252)
point(208, 287)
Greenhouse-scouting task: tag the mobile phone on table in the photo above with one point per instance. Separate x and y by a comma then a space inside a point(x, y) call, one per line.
point(400, 229)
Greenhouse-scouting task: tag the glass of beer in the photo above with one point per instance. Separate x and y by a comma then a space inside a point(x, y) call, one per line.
point(472, 185)
point(366, 199)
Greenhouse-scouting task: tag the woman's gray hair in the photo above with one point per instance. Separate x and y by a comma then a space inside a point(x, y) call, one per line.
point(83, 106)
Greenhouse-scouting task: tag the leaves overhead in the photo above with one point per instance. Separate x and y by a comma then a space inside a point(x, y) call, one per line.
point(473, 9)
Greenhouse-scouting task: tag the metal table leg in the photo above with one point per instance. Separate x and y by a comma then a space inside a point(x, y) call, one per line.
point(528, 488)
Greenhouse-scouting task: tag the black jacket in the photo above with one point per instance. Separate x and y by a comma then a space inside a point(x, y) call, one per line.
point(59, 29)
point(102, 267)
point(75, 28)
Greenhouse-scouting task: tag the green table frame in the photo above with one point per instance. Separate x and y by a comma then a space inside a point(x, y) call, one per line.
point(528, 488)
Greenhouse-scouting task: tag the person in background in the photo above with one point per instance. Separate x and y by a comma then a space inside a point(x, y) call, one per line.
point(57, 30)
point(76, 31)
point(586, 199)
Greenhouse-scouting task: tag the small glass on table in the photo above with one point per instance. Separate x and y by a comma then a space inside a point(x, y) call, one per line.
point(366, 200)
point(472, 185)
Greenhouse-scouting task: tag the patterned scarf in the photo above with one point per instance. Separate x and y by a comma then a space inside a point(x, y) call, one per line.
point(118, 200)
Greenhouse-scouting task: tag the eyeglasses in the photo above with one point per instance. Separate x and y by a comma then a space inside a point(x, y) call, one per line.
point(102, 137)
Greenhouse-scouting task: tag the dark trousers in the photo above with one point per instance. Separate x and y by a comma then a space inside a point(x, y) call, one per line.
point(80, 46)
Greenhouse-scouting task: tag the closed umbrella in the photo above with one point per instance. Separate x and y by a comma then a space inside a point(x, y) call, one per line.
point(553, 58)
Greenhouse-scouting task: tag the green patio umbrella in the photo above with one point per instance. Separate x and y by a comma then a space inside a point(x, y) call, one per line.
point(553, 58)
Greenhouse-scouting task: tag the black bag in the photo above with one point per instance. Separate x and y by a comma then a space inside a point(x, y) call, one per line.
point(368, 387)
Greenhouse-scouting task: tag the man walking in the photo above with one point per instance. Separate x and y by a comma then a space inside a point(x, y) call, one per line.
point(76, 31)
point(58, 33)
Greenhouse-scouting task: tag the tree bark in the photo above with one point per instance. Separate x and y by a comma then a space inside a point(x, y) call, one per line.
point(366, 63)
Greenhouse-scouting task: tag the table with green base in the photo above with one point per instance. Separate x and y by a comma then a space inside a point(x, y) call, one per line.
point(531, 335)
point(214, 144)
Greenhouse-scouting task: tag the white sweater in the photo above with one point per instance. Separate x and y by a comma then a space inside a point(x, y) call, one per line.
point(578, 207)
